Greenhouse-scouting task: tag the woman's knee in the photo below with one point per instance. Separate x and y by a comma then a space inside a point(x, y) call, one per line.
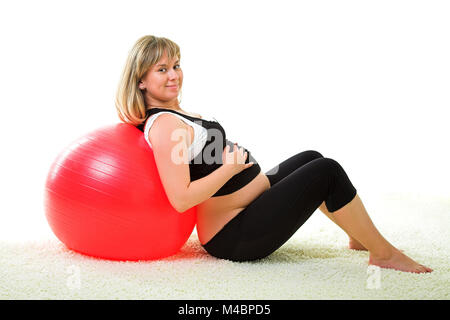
point(330, 166)
point(338, 168)
point(313, 154)
point(342, 191)
point(329, 163)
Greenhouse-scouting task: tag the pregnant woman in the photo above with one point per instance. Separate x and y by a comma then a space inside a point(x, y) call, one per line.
point(243, 214)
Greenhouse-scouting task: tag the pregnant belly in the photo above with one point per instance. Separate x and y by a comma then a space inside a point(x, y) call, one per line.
point(215, 212)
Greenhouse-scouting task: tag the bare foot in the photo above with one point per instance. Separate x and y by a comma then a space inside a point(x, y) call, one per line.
point(355, 245)
point(398, 261)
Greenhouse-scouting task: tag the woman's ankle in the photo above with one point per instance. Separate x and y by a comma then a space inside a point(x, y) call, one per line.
point(383, 253)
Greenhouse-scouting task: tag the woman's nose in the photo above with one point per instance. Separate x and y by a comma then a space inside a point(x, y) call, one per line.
point(173, 74)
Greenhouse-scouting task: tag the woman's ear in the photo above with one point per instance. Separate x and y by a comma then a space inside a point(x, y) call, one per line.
point(141, 85)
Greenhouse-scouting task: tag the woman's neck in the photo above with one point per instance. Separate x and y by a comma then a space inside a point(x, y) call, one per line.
point(175, 108)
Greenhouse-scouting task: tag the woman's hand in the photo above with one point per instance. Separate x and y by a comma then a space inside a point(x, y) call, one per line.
point(235, 160)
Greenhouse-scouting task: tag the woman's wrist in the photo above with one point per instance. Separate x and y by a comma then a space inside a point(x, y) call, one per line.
point(229, 170)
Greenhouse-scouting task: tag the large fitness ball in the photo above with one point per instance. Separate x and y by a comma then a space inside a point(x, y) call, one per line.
point(104, 198)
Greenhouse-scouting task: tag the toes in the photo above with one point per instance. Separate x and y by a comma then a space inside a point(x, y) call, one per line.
point(422, 269)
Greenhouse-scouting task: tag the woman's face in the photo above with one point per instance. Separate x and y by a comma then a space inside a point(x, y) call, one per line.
point(162, 82)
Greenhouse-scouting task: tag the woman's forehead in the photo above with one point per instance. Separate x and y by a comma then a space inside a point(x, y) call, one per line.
point(164, 60)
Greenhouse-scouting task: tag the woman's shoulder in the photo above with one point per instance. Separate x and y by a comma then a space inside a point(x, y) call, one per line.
point(193, 114)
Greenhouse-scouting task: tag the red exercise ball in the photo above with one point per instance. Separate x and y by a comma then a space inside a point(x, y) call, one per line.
point(104, 198)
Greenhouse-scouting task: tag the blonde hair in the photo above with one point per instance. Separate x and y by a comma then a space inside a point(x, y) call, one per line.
point(145, 53)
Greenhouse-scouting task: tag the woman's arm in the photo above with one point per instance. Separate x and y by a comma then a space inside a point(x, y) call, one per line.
point(202, 189)
point(183, 194)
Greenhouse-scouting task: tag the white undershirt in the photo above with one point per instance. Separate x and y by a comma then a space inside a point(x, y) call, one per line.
point(200, 133)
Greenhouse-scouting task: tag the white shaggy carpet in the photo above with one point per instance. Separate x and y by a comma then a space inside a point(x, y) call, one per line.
point(314, 264)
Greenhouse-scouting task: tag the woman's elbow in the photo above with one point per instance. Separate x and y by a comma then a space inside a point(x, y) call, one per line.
point(181, 208)
point(179, 202)
point(179, 205)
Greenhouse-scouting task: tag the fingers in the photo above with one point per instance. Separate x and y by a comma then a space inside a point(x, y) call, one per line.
point(241, 149)
point(243, 154)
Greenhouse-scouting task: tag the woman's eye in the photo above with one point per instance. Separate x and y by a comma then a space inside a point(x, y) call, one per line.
point(177, 65)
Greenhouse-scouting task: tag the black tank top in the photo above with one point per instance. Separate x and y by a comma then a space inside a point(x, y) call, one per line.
point(208, 159)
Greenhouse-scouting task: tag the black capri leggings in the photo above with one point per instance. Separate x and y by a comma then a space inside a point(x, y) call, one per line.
point(299, 185)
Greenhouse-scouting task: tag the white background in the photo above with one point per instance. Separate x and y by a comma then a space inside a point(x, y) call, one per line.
point(363, 82)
